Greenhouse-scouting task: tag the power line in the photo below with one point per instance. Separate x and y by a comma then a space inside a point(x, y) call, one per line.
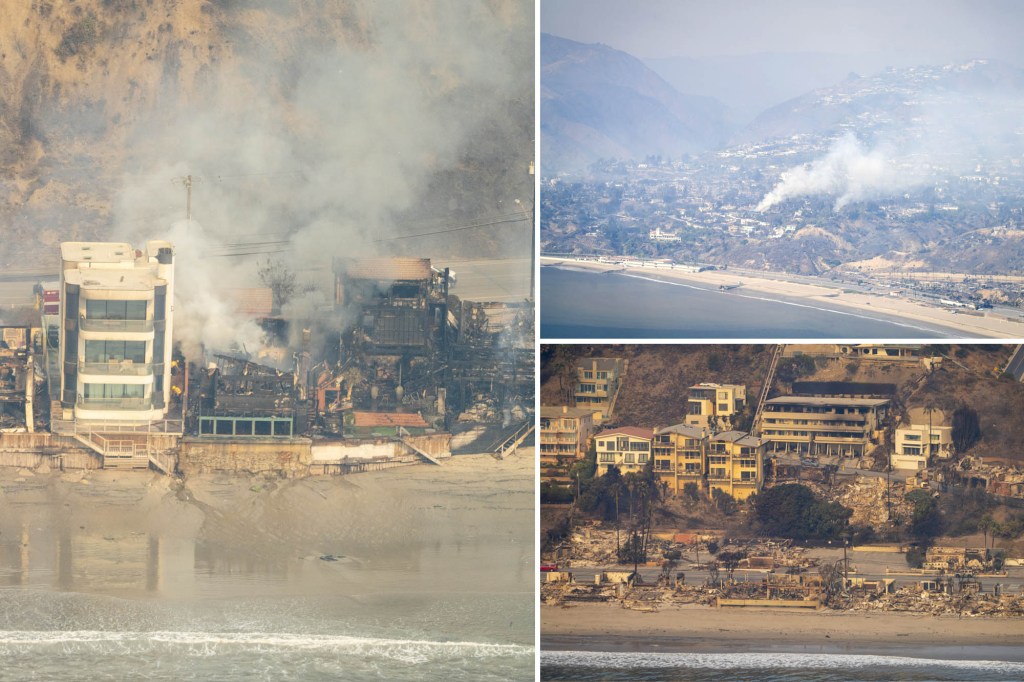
point(514, 219)
point(227, 248)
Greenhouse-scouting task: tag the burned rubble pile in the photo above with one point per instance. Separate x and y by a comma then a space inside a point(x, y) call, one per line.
point(867, 498)
point(17, 378)
point(911, 599)
point(397, 343)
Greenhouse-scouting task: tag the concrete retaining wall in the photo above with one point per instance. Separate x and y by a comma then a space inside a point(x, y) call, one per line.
point(289, 457)
point(71, 459)
point(376, 449)
point(38, 443)
point(30, 450)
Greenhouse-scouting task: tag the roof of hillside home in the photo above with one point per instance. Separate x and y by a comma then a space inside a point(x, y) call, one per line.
point(602, 364)
point(683, 430)
point(635, 431)
point(740, 437)
point(851, 402)
point(552, 411)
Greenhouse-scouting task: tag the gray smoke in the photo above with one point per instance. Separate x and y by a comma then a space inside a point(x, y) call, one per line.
point(848, 171)
point(314, 149)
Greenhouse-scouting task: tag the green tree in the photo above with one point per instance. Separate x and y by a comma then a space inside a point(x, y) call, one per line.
point(602, 495)
point(794, 511)
point(724, 501)
point(925, 519)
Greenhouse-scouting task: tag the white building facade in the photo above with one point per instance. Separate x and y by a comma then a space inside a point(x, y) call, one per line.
point(116, 312)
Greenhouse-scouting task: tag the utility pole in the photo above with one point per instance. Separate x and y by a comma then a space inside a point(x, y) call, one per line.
point(187, 182)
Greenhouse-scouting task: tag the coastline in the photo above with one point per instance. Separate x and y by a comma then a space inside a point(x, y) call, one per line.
point(815, 295)
point(688, 628)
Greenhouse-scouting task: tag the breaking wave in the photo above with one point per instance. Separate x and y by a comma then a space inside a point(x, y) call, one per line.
point(779, 662)
point(216, 643)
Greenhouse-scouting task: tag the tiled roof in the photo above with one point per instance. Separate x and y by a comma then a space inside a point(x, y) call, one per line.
point(683, 430)
point(258, 301)
point(636, 431)
point(384, 269)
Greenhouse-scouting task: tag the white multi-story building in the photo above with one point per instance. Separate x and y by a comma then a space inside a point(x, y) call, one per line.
point(116, 309)
point(923, 435)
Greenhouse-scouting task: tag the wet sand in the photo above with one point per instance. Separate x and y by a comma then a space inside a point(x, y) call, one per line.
point(961, 325)
point(349, 577)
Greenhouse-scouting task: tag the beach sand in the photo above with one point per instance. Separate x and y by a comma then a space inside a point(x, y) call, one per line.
point(826, 296)
point(700, 628)
point(460, 529)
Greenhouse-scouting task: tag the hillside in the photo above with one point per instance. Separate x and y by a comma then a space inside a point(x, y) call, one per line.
point(326, 123)
point(917, 109)
point(597, 102)
point(654, 391)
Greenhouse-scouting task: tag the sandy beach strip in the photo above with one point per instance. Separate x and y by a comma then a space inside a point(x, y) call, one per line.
point(825, 296)
point(609, 627)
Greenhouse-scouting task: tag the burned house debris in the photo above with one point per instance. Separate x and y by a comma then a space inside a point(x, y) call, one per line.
point(241, 398)
point(396, 369)
point(17, 378)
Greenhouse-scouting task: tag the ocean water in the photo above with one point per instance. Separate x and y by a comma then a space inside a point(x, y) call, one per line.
point(77, 636)
point(768, 667)
point(423, 573)
point(582, 304)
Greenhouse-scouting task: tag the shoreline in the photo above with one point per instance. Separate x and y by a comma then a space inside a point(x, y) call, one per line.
point(608, 627)
point(813, 295)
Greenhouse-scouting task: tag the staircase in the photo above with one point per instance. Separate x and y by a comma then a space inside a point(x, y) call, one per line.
point(116, 453)
point(511, 443)
point(768, 380)
point(126, 454)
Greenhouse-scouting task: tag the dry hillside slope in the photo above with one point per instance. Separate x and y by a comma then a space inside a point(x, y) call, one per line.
point(309, 107)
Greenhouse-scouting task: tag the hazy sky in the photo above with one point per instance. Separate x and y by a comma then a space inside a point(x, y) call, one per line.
point(896, 32)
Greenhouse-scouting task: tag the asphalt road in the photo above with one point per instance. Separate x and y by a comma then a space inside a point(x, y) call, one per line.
point(502, 280)
point(505, 280)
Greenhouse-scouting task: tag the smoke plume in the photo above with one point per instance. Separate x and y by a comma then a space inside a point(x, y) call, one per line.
point(392, 120)
point(848, 171)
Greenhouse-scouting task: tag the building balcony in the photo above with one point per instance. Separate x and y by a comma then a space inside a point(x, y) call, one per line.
point(134, 326)
point(116, 368)
point(115, 404)
point(851, 438)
